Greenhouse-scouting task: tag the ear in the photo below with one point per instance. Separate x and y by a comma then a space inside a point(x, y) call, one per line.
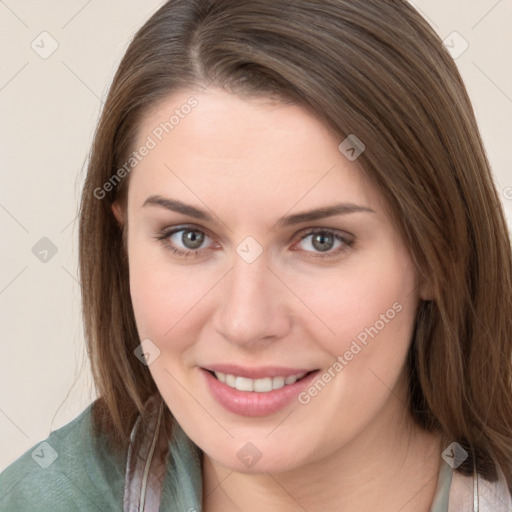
point(426, 290)
point(118, 214)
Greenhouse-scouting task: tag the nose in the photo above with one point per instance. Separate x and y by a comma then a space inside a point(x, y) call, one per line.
point(253, 305)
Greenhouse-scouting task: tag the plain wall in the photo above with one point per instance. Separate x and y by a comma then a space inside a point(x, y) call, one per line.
point(49, 108)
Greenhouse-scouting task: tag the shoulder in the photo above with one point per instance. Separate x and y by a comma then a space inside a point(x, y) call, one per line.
point(458, 492)
point(72, 469)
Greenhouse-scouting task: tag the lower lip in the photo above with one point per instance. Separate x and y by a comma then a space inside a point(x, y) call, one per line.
point(252, 403)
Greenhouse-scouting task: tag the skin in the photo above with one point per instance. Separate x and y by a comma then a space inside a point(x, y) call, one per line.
point(247, 162)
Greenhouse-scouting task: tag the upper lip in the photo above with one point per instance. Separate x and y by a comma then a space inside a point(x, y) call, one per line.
point(257, 372)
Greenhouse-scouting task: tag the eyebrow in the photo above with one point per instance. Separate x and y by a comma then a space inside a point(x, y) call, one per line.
point(287, 220)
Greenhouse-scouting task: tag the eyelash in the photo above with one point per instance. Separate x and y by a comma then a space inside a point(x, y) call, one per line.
point(168, 232)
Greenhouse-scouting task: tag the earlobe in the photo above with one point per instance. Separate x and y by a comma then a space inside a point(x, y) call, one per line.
point(118, 214)
point(427, 290)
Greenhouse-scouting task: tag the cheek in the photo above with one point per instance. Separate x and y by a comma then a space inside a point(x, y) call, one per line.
point(164, 295)
point(372, 313)
point(367, 312)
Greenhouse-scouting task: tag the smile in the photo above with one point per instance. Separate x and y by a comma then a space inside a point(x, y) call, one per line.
point(255, 391)
point(263, 385)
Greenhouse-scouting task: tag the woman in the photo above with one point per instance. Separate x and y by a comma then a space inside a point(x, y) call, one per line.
point(296, 275)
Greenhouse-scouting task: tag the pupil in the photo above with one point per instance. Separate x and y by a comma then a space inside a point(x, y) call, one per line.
point(192, 239)
point(322, 241)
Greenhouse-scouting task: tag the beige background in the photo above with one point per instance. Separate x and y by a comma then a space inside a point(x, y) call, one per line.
point(49, 108)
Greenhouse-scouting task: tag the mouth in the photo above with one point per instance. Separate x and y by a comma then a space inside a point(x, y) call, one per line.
point(261, 385)
point(258, 391)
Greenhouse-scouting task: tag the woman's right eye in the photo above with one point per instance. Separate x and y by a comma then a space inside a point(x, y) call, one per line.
point(184, 241)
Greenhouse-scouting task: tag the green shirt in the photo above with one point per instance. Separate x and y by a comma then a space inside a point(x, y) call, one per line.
point(73, 470)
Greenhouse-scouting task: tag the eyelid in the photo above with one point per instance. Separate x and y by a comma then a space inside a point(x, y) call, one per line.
point(166, 231)
point(321, 229)
point(169, 230)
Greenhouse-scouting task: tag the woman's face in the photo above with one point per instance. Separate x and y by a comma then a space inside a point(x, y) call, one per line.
point(259, 251)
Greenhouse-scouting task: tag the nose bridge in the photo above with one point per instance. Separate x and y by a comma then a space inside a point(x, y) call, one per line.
point(251, 308)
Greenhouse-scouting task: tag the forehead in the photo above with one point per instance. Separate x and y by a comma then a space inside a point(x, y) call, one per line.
point(252, 153)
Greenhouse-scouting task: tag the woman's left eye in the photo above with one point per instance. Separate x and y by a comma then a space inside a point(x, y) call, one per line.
point(324, 243)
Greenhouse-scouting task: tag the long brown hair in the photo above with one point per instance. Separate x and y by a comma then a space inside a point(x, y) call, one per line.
point(371, 68)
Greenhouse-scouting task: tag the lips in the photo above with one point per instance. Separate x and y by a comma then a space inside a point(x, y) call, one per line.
point(255, 391)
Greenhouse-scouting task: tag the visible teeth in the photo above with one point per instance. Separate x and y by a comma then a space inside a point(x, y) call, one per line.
point(291, 379)
point(278, 382)
point(263, 385)
point(244, 384)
